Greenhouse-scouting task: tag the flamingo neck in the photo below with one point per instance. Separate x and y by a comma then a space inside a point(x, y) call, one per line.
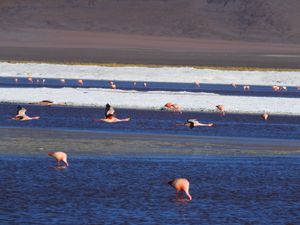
point(67, 164)
point(189, 196)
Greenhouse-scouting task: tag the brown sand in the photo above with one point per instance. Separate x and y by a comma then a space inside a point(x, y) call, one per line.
point(40, 141)
point(80, 46)
point(256, 33)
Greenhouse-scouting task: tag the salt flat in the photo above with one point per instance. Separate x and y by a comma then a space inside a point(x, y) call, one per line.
point(158, 74)
point(151, 99)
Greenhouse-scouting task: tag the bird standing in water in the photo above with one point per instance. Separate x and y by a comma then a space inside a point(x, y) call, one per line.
point(264, 116)
point(221, 108)
point(80, 82)
point(181, 185)
point(59, 156)
point(112, 85)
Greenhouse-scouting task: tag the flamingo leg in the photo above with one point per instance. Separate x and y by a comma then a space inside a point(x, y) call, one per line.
point(177, 197)
point(182, 196)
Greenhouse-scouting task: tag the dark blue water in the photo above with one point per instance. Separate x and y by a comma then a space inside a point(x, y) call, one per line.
point(233, 190)
point(255, 90)
point(142, 121)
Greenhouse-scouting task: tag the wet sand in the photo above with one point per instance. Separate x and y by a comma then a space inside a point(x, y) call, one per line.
point(20, 141)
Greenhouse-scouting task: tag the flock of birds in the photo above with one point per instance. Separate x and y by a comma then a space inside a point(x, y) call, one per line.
point(113, 85)
point(168, 106)
point(181, 185)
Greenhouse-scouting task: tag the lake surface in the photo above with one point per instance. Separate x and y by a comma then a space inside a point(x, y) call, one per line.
point(157, 122)
point(118, 173)
point(221, 89)
point(134, 190)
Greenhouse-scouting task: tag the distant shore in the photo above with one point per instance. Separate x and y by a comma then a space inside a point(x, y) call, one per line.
point(148, 57)
point(63, 46)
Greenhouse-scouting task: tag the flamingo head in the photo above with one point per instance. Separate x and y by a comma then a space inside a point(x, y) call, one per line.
point(170, 182)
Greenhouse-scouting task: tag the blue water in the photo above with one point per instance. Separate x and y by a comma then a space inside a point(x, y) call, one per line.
point(222, 89)
point(225, 190)
point(143, 121)
point(132, 190)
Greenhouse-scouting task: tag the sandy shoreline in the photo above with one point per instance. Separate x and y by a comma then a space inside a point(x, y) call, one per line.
point(55, 45)
point(20, 141)
point(149, 57)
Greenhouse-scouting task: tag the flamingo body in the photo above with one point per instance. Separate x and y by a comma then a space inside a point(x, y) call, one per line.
point(80, 82)
point(195, 123)
point(113, 120)
point(172, 107)
point(59, 156)
point(181, 185)
point(246, 88)
point(264, 116)
point(21, 115)
point(197, 83)
point(221, 108)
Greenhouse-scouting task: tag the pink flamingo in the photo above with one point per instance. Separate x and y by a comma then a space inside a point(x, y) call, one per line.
point(112, 85)
point(195, 123)
point(62, 81)
point(264, 116)
point(172, 107)
point(113, 119)
point(59, 156)
point(21, 115)
point(80, 82)
point(275, 88)
point(221, 108)
point(110, 116)
point(47, 102)
point(197, 83)
point(283, 88)
point(181, 185)
point(246, 88)
point(29, 78)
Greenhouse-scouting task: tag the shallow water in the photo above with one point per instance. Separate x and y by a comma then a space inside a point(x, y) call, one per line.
point(222, 89)
point(158, 122)
point(122, 190)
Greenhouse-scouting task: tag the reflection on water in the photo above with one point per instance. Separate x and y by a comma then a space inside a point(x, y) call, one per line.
point(225, 190)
